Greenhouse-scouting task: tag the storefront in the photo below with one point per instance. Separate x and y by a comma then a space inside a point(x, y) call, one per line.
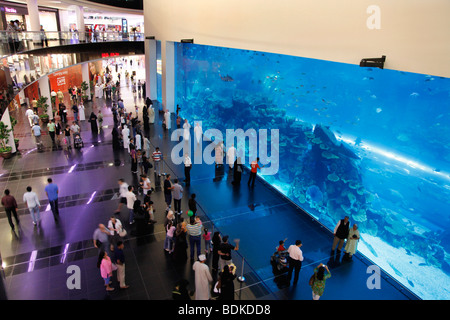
point(48, 17)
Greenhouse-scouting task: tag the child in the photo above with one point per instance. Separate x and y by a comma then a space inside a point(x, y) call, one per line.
point(281, 246)
point(207, 238)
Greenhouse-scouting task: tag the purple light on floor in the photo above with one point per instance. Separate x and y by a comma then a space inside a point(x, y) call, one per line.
point(92, 197)
point(48, 207)
point(32, 261)
point(72, 168)
point(64, 255)
point(29, 151)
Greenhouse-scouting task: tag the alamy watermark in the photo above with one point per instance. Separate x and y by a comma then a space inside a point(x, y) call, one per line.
point(233, 147)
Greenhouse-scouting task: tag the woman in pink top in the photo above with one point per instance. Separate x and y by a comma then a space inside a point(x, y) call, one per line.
point(105, 265)
point(207, 237)
point(168, 243)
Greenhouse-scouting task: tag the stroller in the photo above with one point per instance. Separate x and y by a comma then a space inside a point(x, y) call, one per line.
point(78, 142)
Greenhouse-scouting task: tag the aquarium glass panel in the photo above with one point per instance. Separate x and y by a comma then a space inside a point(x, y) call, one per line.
point(369, 143)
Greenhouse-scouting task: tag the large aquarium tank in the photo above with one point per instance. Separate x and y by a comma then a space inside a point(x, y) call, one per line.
point(372, 144)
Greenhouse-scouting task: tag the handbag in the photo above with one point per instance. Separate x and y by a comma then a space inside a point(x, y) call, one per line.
point(122, 233)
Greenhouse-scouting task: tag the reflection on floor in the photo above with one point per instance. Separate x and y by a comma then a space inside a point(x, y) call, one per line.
point(36, 260)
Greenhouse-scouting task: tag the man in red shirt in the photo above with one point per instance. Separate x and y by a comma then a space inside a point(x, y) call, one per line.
point(10, 204)
point(254, 169)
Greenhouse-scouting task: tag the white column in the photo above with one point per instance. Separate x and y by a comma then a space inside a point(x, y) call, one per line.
point(168, 75)
point(85, 76)
point(150, 69)
point(79, 11)
point(44, 88)
point(33, 13)
point(35, 24)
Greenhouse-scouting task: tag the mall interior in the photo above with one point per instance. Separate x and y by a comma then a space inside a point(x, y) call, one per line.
point(353, 101)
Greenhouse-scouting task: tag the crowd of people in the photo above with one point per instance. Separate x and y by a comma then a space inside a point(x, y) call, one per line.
point(183, 230)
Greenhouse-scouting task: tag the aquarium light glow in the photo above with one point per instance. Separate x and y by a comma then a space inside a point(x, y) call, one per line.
point(394, 156)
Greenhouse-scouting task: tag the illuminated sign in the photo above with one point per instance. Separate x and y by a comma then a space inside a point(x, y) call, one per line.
point(10, 10)
point(112, 54)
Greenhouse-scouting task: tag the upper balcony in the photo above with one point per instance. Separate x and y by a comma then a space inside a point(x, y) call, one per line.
point(22, 42)
point(27, 56)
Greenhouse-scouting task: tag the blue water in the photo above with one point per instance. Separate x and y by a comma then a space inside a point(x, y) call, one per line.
point(364, 142)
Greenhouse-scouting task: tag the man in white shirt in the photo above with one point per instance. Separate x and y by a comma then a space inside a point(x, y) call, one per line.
point(75, 128)
point(187, 169)
point(295, 260)
point(29, 113)
point(33, 204)
point(131, 198)
point(123, 189)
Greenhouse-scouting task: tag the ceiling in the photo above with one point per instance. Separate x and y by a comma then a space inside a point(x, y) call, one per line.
point(89, 7)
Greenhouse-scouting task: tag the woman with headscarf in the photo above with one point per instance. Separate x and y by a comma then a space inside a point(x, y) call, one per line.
point(93, 121)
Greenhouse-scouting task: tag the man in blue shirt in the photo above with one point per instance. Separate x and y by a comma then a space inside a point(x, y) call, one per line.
point(52, 193)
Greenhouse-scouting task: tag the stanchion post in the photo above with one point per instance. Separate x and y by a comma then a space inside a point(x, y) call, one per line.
point(241, 278)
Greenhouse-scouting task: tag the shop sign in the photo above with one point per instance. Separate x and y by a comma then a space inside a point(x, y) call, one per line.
point(10, 10)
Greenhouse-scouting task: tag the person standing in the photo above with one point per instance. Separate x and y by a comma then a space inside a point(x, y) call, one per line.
point(237, 172)
point(105, 265)
point(168, 192)
point(36, 129)
point(320, 277)
point(186, 130)
point(123, 189)
point(341, 232)
point(131, 198)
point(295, 260)
point(81, 111)
point(67, 137)
point(119, 259)
point(168, 242)
point(93, 121)
point(31, 199)
point(145, 184)
point(177, 193)
point(167, 119)
point(29, 113)
point(75, 128)
point(157, 157)
point(219, 154)
point(151, 114)
point(192, 204)
point(51, 127)
point(226, 283)
point(101, 238)
point(198, 133)
point(207, 240)
point(203, 279)
point(187, 169)
point(51, 189)
point(216, 242)
point(225, 252)
point(60, 96)
point(126, 138)
point(75, 112)
point(352, 243)
point(231, 156)
point(34, 104)
point(194, 229)
point(253, 171)
point(10, 204)
point(180, 248)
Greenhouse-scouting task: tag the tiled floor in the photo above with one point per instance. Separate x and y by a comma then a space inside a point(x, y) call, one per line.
point(36, 259)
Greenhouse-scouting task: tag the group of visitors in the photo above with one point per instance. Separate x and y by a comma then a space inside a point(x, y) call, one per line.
point(32, 202)
point(342, 234)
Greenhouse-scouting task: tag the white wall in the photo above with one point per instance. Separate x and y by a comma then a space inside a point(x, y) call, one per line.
point(413, 34)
